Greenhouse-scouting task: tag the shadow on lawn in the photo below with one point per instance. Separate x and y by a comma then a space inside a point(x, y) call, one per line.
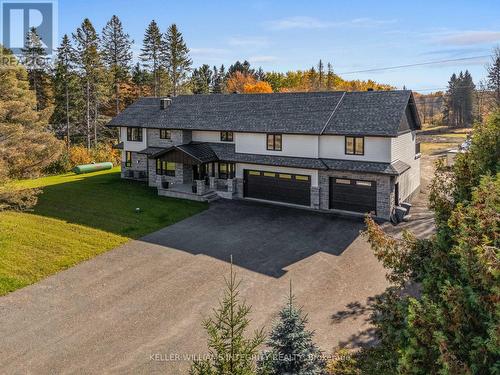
point(108, 203)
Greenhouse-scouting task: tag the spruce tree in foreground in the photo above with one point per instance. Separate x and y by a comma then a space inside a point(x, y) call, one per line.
point(292, 350)
point(231, 352)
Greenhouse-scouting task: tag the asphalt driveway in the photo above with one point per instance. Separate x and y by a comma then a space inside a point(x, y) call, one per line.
point(138, 308)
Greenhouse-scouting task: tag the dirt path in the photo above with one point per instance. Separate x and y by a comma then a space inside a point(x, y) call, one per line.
point(422, 218)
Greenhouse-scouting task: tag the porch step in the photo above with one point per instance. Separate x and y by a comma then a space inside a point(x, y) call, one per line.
point(211, 197)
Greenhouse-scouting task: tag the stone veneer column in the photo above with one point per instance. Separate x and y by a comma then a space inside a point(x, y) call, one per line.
point(200, 187)
point(239, 187)
point(315, 197)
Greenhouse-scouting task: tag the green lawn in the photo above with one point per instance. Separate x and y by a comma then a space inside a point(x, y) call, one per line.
point(436, 148)
point(76, 218)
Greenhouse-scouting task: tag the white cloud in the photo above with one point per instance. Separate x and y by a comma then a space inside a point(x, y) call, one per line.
point(300, 22)
point(208, 51)
point(248, 41)
point(469, 37)
point(261, 59)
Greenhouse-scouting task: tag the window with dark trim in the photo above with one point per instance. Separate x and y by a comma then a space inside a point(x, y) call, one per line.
point(226, 136)
point(166, 168)
point(274, 142)
point(165, 134)
point(354, 145)
point(226, 170)
point(134, 134)
point(128, 158)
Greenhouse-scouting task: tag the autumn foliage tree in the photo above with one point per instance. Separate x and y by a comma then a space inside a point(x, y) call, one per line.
point(451, 325)
point(259, 87)
point(237, 81)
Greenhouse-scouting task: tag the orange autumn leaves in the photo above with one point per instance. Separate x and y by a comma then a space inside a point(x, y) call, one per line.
point(246, 83)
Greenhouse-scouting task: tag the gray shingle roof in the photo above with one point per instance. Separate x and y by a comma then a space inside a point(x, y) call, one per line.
point(366, 166)
point(369, 113)
point(202, 152)
point(150, 150)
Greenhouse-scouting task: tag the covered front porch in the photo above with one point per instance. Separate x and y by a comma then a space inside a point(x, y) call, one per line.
point(194, 172)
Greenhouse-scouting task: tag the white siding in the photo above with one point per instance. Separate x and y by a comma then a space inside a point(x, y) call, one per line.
point(132, 146)
point(403, 148)
point(307, 172)
point(208, 136)
point(377, 149)
point(305, 146)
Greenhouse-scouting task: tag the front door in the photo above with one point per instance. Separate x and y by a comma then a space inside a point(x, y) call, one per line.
point(200, 171)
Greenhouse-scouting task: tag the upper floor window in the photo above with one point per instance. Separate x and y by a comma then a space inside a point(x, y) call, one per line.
point(128, 159)
point(134, 134)
point(165, 134)
point(226, 136)
point(354, 145)
point(274, 142)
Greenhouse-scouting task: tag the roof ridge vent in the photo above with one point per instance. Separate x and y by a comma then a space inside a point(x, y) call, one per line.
point(165, 102)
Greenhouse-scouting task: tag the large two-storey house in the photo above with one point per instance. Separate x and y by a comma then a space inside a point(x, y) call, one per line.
point(330, 151)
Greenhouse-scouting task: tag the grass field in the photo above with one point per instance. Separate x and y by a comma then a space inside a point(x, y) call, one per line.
point(76, 218)
point(435, 148)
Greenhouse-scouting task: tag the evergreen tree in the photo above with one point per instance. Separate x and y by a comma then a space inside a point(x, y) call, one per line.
point(141, 78)
point(116, 54)
point(35, 60)
point(260, 75)
point(231, 352)
point(292, 350)
point(201, 80)
point(321, 74)
point(26, 147)
point(89, 64)
point(494, 75)
point(243, 68)
point(65, 84)
point(329, 77)
point(151, 53)
point(175, 57)
point(459, 100)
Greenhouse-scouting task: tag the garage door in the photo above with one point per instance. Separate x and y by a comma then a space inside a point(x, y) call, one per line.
point(353, 195)
point(279, 187)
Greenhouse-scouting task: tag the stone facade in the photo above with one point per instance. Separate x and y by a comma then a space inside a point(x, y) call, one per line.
point(315, 197)
point(138, 168)
point(177, 137)
point(385, 190)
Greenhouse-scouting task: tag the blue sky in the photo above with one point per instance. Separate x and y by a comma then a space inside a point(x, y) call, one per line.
point(289, 35)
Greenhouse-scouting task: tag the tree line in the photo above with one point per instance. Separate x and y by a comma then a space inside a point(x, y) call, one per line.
point(463, 102)
point(95, 76)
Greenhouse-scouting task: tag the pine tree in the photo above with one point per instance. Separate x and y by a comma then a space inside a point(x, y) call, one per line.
point(35, 60)
point(260, 75)
point(175, 57)
point(141, 78)
point(231, 352)
point(116, 54)
point(89, 64)
point(26, 147)
point(494, 75)
point(329, 77)
point(65, 84)
point(321, 74)
point(201, 80)
point(292, 350)
point(151, 53)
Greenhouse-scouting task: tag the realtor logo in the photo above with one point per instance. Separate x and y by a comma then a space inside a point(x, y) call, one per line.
point(18, 17)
